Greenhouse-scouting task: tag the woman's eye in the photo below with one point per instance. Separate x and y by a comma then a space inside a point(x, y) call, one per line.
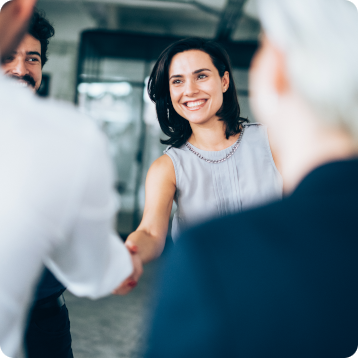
point(176, 82)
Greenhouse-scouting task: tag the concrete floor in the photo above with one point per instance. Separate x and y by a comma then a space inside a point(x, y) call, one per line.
point(115, 326)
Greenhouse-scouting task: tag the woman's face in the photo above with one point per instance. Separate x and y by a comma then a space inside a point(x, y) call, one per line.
point(196, 88)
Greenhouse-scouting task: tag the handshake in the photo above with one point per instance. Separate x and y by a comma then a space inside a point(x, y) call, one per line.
point(130, 282)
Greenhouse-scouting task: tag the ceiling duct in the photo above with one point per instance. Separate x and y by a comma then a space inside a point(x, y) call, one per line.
point(229, 19)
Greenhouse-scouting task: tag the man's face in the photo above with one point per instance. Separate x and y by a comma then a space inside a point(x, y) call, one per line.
point(24, 64)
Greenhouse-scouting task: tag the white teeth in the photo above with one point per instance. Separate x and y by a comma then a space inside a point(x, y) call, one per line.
point(22, 84)
point(195, 104)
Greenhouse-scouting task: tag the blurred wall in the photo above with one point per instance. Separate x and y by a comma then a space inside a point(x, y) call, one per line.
point(69, 19)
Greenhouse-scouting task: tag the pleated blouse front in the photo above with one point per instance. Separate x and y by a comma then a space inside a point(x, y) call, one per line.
point(206, 190)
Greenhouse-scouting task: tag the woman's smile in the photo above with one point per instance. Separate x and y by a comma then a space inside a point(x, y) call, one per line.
point(195, 105)
point(196, 87)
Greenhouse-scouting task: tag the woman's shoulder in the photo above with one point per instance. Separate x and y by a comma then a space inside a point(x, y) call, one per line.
point(162, 163)
point(253, 125)
point(163, 167)
point(258, 138)
point(254, 130)
point(171, 149)
point(161, 174)
point(177, 155)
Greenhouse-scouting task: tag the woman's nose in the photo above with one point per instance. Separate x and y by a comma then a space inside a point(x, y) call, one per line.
point(191, 89)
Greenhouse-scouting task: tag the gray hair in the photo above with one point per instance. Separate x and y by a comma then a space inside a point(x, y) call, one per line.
point(319, 39)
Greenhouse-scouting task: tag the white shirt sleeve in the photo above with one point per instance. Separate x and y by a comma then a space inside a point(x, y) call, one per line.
point(92, 260)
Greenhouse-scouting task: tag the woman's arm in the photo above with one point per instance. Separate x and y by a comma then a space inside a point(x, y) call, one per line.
point(149, 238)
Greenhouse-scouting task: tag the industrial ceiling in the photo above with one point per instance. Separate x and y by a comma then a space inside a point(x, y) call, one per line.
point(219, 19)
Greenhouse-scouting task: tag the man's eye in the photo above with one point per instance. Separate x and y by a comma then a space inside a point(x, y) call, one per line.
point(33, 60)
point(201, 77)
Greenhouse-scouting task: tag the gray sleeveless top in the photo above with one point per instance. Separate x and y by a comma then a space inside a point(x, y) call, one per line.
point(206, 190)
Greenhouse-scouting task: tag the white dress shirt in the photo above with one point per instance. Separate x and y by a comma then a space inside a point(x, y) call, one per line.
point(57, 204)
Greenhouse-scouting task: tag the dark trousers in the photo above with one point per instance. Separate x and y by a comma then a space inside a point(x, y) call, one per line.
point(48, 334)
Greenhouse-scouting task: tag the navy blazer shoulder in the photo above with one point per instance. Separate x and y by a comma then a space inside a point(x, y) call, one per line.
point(277, 281)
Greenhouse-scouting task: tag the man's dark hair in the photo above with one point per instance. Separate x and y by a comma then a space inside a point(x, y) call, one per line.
point(42, 30)
point(172, 124)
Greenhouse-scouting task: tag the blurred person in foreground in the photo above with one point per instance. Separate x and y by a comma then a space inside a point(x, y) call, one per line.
point(281, 280)
point(48, 329)
point(57, 197)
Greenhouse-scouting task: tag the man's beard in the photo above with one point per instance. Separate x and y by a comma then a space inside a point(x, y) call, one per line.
point(27, 78)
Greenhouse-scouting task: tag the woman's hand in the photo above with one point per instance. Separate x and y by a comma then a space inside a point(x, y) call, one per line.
point(160, 186)
point(131, 282)
point(147, 242)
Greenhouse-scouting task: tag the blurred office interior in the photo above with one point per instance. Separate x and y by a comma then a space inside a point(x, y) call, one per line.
point(100, 59)
point(102, 55)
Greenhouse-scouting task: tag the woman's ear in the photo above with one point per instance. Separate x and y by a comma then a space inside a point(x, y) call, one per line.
point(225, 81)
point(281, 82)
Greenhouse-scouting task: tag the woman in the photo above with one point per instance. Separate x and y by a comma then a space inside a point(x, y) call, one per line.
point(216, 163)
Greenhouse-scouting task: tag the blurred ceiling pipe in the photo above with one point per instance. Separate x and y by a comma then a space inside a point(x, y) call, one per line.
point(113, 17)
point(201, 6)
point(152, 3)
point(229, 19)
point(204, 7)
point(106, 16)
point(98, 12)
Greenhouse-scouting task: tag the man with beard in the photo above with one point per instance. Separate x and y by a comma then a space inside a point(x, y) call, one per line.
point(48, 332)
point(26, 62)
point(56, 189)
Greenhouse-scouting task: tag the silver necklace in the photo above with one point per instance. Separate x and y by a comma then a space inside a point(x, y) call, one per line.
point(220, 160)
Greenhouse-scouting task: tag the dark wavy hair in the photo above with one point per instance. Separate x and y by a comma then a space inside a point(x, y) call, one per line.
point(42, 30)
point(172, 124)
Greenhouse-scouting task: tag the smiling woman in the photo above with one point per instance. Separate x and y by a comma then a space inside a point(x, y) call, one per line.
point(199, 64)
point(216, 163)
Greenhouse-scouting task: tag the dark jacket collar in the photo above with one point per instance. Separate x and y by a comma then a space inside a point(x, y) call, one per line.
point(337, 177)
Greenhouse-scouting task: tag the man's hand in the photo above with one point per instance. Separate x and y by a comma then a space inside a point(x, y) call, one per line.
point(131, 282)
